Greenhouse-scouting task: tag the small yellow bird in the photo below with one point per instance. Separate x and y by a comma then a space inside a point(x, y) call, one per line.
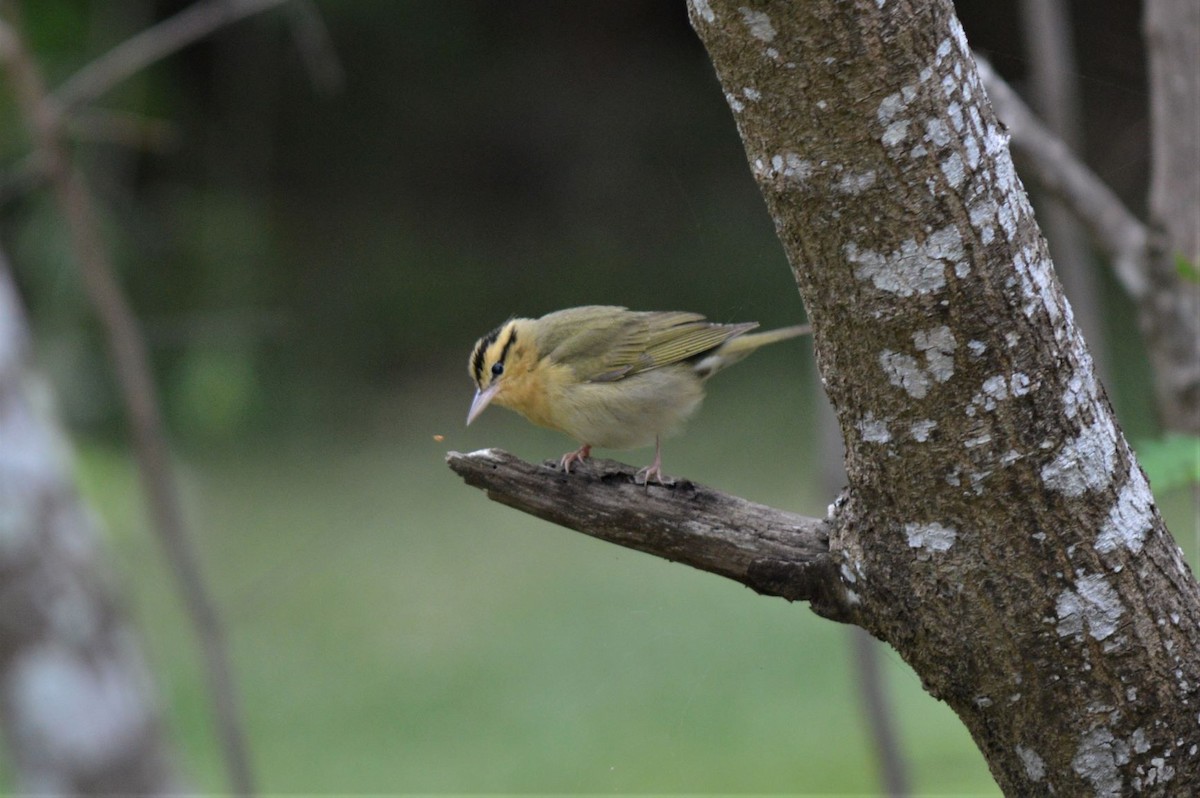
point(609, 376)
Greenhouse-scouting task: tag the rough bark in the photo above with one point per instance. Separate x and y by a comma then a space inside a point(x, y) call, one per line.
point(76, 698)
point(774, 552)
point(997, 529)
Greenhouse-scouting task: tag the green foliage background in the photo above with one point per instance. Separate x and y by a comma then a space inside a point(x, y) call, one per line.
point(311, 272)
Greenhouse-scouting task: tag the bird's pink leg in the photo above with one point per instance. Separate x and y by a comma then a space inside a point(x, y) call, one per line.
point(654, 470)
point(582, 453)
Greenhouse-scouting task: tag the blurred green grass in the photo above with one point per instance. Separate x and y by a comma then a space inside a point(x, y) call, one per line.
point(395, 632)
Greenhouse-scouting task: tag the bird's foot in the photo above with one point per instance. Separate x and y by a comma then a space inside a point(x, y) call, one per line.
point(654, 470)
point(650, 472)
point(580, 454)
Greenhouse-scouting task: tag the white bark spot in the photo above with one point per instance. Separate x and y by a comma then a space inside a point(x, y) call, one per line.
point(971, 145)
point(1035, 768)
point(996, 387)
point(1097, 759)
point(895, 133)
point(936, 132)
point(955, 111)
point(752, 93)
point(787, 166)
point(952, 168)
point(759, 24)
point(1093, 604)
point(737, 105)
point(933, 537)
point(1086, 461)
point(960, 36)
point(1131, 517)
point(977, 348)
point(704, 10)
point(913, 268)
point(74, 711)
point(1020, 384)
point(983, 216)
point(874, 430)
point(855, 183)
point(920, 429)
point(938, 344)
point(1037, 284)
point(905, 371)
point(893, 104)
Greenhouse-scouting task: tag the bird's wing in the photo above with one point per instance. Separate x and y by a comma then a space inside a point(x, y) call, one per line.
point(607, 344)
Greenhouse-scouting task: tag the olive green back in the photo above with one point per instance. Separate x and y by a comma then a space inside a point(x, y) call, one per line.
point(604, 343)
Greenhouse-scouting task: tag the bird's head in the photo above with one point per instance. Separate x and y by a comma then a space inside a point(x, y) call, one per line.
point(498, 364)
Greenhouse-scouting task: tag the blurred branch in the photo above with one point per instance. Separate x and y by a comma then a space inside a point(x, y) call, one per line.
point(1172, 31)
point(127, 351)
point(1115, 229)
point(1053, 90)
point(316, 47)
point(153, 44)
point(134, 131)
point(1143, 258)
point(773, 552)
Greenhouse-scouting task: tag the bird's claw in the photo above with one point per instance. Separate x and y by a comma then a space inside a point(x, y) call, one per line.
point(579, 455)
point(651, 472)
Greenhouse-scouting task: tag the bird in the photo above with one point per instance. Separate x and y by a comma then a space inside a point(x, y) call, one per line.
point(607, 376)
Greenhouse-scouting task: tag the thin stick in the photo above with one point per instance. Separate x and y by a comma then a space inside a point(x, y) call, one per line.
point(153, 44)
point(127, 351)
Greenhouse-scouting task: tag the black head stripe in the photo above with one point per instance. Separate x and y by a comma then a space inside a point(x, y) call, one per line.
point(480, 351)
point(512, 337)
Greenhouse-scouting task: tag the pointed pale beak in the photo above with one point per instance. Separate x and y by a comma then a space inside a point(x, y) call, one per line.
point(482, 399)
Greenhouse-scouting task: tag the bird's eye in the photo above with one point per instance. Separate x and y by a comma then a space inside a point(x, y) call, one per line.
point(497, 369)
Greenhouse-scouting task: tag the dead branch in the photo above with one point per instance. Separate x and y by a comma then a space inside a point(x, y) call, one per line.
point(773, 552)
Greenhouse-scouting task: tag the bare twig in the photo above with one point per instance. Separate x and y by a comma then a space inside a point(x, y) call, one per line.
point(316, 47)
point(771, 551)
point(134, 131)
point(131, 364)
point(1118, 232)
point(153, 44)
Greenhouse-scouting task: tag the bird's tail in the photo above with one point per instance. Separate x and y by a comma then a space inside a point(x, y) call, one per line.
point(739, 346)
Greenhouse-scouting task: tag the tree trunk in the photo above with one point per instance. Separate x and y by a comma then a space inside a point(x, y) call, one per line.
point(997, 530)
point(76, 697)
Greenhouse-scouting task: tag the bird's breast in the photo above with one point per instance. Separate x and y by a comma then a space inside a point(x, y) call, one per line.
point(626, 413)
